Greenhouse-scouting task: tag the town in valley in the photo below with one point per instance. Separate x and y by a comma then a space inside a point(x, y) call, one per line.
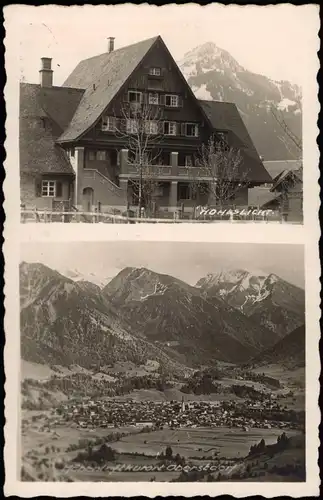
point(197, 374)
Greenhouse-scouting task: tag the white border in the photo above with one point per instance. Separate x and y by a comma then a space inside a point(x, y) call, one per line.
point(14, 233)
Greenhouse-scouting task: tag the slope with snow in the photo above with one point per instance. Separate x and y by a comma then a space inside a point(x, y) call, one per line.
point(67, 323)
point(265, 298)
point(166, 309)
point(91, 277)
point(214, 74)
point(230, 316)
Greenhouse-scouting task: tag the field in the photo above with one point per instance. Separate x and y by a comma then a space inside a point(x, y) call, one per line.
point(41, 372)
point(199, 442)
point(292, 378)
point(44, 439)
point(38, 437)
point(174, 394)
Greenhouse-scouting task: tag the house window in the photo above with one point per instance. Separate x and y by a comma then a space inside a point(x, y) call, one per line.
point(72, 152)
point(132, 126)
point(170, 128)
point(155, 71)
point(134, 96)
point(97, 155)
point(48, 188)
point(188, 161)
point(101, 155)
point(153, 98)
point(151, 127)
point(171, 101)
point(191, 130)
point(109, 123)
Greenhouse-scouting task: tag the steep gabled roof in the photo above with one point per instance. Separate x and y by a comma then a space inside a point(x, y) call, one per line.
point(101, 77)
point(44, 113)
point(287, 176)
point(224, 116)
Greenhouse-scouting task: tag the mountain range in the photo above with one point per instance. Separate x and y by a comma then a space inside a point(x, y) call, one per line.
point(142, 315)
point(266, 299)
point(214, 74)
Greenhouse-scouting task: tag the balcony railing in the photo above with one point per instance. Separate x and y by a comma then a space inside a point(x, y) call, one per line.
point(189, 172)
point(164, 171)
point(158, 170)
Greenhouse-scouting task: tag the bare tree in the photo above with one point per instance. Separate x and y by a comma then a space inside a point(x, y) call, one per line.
point(222, 165)
point(141, 130)
point(294, 146)
point(292, 141)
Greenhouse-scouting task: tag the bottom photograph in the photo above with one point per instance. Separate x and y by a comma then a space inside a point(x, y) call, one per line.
point(162, 361)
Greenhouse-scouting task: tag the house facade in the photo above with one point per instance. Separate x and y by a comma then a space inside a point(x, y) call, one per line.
point(124, 130)
point(284, 194)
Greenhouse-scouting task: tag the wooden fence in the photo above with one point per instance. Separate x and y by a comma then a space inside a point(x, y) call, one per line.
point(46, 216)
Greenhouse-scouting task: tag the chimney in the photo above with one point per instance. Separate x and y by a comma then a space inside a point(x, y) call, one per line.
point(46, 72)
point(111, 43)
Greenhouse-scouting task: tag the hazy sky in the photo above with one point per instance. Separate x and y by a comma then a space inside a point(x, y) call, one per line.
point(187, 261)
point(276, 41)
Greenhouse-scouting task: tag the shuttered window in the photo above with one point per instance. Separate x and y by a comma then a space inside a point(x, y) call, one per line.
point(151, 127)
point(153, 98)
point(51, 188)
point(170, 128)
point(171, 100)
point(108, 124)
point(191, 130)
point(134, 96)
point(132, 126)
point(155, 71)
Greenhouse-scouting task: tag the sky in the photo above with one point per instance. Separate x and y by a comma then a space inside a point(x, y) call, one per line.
point(276, 40)
point(101, 261)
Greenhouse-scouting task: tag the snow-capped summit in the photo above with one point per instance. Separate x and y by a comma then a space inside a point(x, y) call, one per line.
point(208, 57)
point(241, 288)
point(76, 275)
point(139, 284)
point(273, 301)
point(214, 74)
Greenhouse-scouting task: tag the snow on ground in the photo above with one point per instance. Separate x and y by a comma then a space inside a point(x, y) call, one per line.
point(188, 69)
point(285, 103)
point(202, 93)
point(159, 289)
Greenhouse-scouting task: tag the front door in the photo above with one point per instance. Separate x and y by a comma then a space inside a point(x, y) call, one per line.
point(87, 200)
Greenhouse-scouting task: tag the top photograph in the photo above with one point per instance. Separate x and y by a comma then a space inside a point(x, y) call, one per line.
point(170, 128)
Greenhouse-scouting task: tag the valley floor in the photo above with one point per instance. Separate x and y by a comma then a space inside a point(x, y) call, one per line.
point(209, 435)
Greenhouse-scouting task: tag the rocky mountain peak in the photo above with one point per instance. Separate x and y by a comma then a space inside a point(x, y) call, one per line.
point(208, 57)
point(214, 74)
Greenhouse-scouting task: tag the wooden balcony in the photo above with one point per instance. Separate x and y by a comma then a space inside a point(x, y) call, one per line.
point(171, 172)
point(159, 171)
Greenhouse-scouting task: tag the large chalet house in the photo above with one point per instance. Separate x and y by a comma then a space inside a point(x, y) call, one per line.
point(76, 140)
